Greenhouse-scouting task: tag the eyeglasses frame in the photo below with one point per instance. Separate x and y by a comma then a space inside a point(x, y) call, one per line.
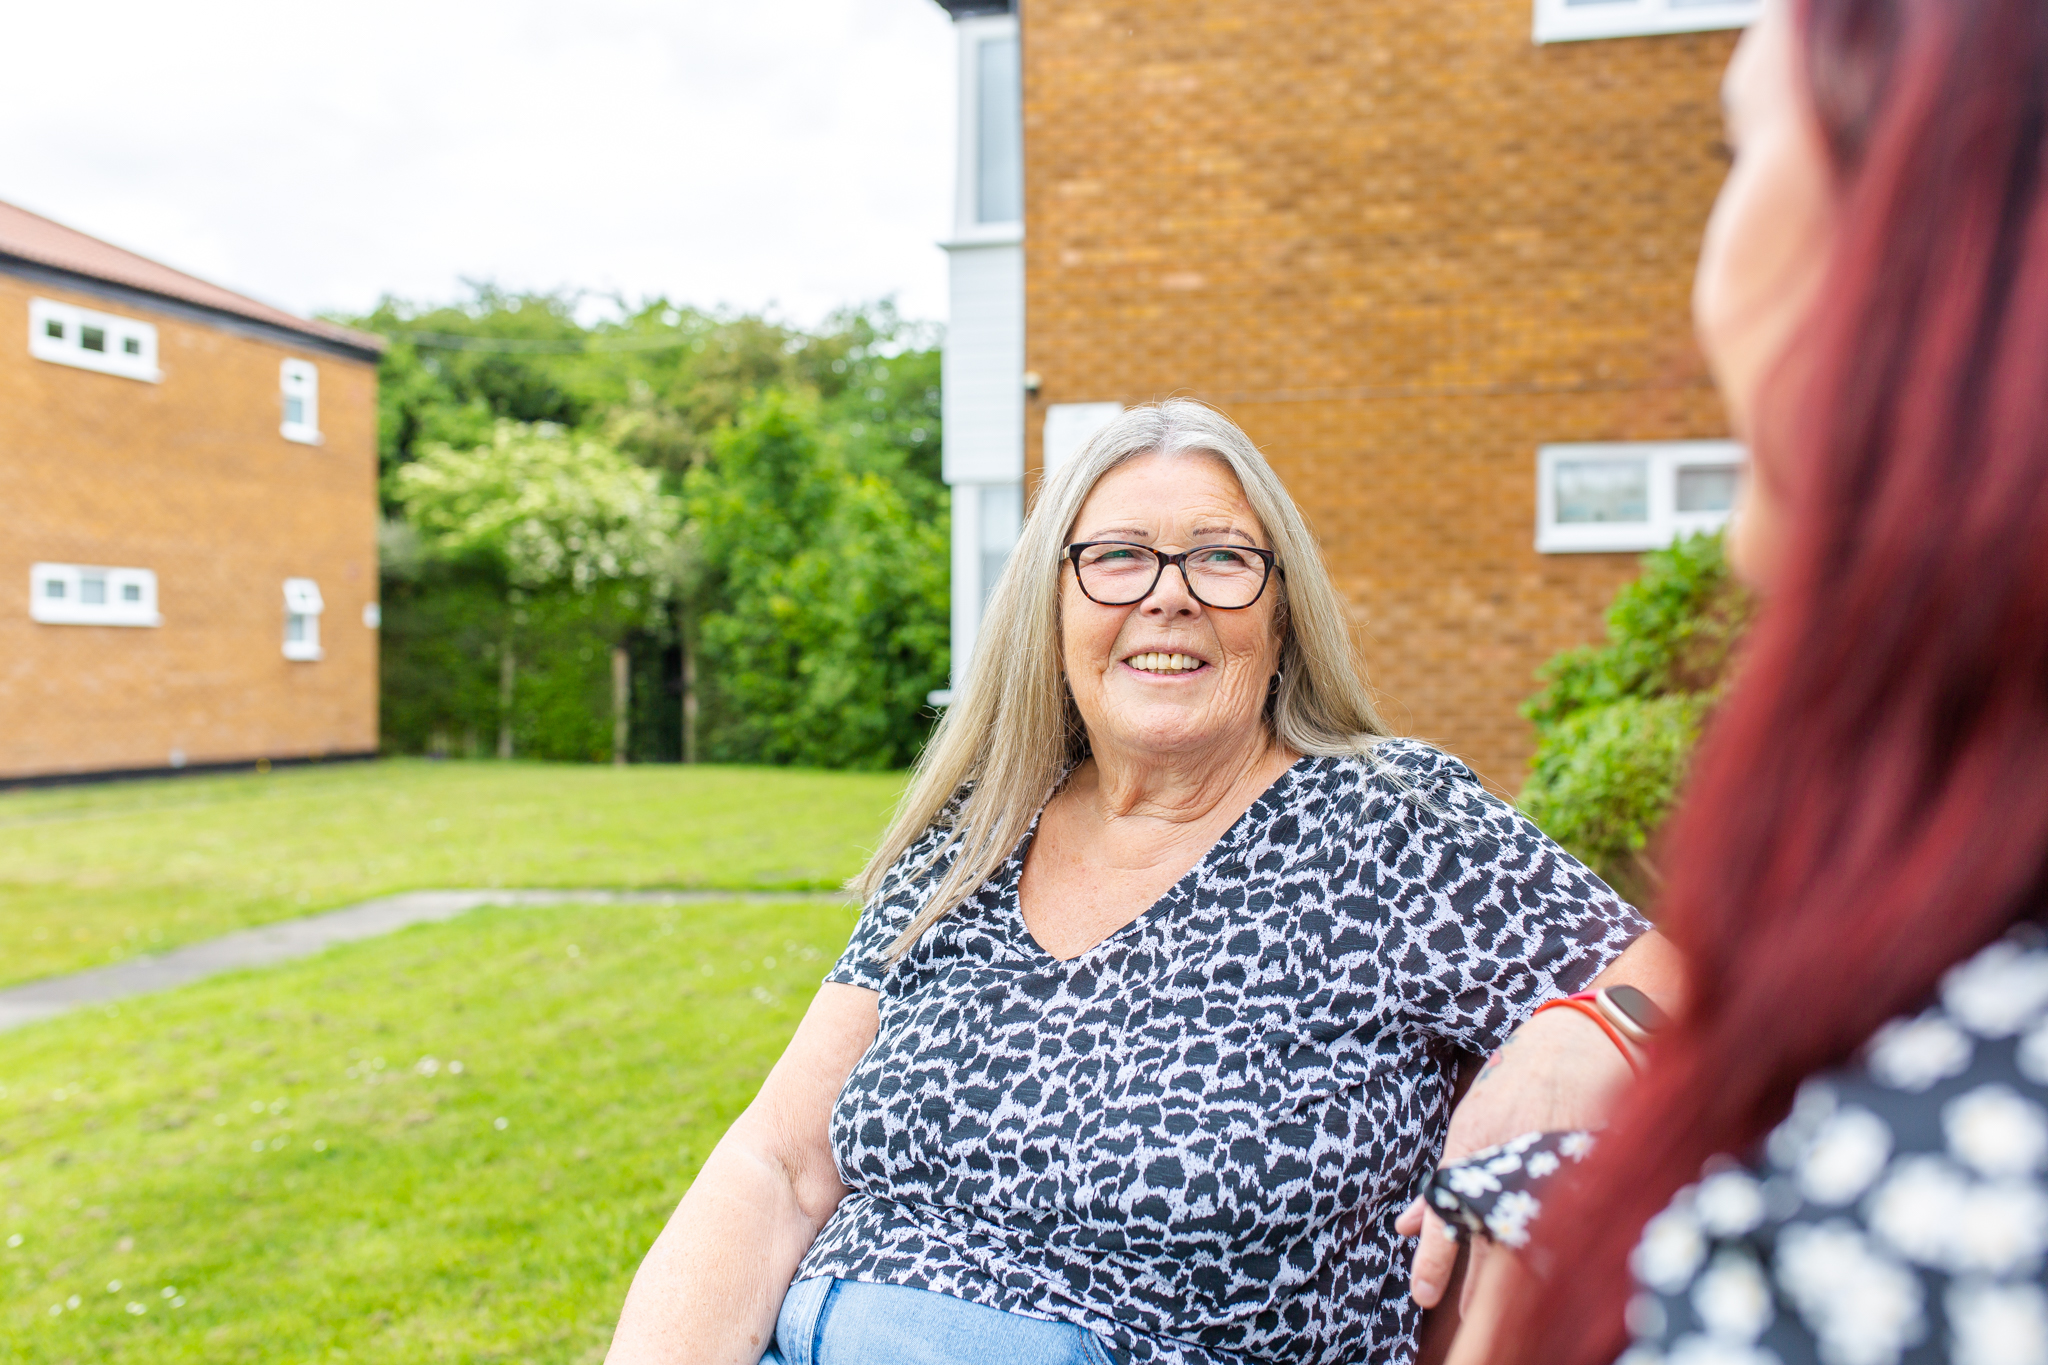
point(1178, 561)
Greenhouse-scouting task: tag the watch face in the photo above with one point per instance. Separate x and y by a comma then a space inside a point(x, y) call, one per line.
point(1641, 1010)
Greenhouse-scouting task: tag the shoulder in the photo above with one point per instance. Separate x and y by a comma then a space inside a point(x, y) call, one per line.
point(1917, 1176)
point(1417, 789)
point(1394, 769)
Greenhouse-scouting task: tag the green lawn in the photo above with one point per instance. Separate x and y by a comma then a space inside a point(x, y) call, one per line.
point(96, 873)
point(288, 1166)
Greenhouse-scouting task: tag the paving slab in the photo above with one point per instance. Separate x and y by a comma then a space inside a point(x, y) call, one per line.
point(287, 940)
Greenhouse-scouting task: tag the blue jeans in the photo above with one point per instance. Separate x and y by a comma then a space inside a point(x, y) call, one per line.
point(844, 1322)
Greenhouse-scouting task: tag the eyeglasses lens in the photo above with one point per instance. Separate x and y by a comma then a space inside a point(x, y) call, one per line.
point(1219, 575)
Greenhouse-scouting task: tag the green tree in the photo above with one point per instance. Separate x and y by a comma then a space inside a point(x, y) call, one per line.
point(664, 386)
point(1616, 723)
point(556, 545)
point(820, 597)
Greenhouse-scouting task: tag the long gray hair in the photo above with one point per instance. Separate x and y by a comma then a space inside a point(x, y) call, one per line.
point(1013, 729)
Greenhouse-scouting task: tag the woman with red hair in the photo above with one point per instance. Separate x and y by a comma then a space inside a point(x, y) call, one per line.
point(1838, 1151)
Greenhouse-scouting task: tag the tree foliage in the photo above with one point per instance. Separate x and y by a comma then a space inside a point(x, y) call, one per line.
point(824, 597)
point(552, 508)
point(760, 498)
point(1616, 723)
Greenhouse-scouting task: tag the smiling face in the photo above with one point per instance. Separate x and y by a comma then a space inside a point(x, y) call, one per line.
point(1168, 676)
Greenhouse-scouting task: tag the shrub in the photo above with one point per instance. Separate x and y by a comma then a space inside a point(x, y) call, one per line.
point(1616, 723)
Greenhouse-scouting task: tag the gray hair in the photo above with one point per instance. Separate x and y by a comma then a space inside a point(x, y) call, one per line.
point(1013, 731)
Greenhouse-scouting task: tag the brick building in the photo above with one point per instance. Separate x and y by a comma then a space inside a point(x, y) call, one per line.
point(1433, 255)
point(189, 574)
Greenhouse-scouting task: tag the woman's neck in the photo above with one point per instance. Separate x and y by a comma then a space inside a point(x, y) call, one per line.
point(1178, 788)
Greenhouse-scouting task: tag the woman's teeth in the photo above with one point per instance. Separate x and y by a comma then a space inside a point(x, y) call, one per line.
point(1164, 663)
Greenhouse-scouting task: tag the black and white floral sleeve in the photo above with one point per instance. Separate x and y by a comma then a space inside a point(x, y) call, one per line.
point(1899, 1216)
point(1492, 917)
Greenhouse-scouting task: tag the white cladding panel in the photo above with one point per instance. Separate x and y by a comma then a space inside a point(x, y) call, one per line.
point(983, 365)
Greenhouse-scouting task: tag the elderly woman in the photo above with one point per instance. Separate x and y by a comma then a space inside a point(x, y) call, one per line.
point(1148, 1028)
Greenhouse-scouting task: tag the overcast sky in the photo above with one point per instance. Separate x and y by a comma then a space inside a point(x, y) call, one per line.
point(794, 154)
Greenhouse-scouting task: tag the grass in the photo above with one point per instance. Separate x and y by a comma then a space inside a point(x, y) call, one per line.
point(93, 874)
point(294, 1155)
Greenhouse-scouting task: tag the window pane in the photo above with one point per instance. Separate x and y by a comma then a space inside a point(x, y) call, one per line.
point(1707, 487)
point(1001, 517)
point(295, 410)
point(1602, 491)
point(53, 587)
point(131, 345)
point(999, 115)
point(53, 328)
point(295, 629)
point(93, 338)
point(131, 592)
point(92, 591)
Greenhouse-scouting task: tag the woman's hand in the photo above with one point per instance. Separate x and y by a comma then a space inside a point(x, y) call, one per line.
point(1558, 1071)
point(712, 1284)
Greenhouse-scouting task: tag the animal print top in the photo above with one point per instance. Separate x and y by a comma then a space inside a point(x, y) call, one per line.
point(1193, 1139)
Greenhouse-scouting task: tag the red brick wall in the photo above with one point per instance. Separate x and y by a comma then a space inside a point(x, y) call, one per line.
point(189, 478)
point(1402, 246)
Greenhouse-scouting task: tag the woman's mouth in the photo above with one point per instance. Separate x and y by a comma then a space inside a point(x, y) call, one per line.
point(1158, 663)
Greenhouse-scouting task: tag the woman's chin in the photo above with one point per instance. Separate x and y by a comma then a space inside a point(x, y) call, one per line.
point(1169, 725)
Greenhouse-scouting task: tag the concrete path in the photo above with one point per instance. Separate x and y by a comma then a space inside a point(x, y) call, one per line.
point(296, 938)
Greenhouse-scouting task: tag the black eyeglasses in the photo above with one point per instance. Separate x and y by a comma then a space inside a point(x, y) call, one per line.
point(1116, 573)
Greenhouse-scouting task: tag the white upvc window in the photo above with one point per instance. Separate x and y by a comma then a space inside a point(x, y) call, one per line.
point(91, 595)
point(302, 608)
point(1629, 495)
point(299, 385)
point(1564, 21)
point(1068, 427)
point(989, 204)
point(66, 334)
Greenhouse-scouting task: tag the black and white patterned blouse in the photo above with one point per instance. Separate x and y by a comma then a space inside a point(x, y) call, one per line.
point(1193, 1138)
point(1898, 1216)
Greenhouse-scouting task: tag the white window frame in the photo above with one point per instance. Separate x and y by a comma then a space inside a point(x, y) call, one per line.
point(128, 344)
point(299, 379)
point(127, 596)
point(1068, 426)
point(971, 32)
point(1664, 522)
point(1568, 21)
point(302, 608)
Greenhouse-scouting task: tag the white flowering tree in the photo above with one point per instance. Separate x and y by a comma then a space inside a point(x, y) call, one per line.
point(557, 513)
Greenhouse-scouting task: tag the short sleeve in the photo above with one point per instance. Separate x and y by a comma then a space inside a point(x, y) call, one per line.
point(1490, 916)
point(888, 912)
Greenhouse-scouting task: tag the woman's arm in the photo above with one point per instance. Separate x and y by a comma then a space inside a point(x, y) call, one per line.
point(1559, 1071)
point(710, 1287)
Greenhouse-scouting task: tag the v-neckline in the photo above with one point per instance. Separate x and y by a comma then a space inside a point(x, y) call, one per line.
point(1011, 901)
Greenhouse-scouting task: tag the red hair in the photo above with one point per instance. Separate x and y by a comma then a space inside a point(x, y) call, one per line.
point(1871, 806)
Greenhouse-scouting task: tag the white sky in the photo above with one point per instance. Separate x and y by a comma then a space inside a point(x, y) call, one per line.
point(794, 154)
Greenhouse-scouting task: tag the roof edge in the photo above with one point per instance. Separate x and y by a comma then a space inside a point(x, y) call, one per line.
point(968, 9)
point(330, 337)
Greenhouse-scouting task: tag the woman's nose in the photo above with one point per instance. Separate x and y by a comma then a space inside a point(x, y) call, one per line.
point(1170, 595)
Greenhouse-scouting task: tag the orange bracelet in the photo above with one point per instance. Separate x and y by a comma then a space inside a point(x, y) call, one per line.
point(1592, 1011)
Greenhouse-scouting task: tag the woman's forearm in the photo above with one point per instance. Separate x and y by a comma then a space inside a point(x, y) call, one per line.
point(708, 1291)
point(1653, 966)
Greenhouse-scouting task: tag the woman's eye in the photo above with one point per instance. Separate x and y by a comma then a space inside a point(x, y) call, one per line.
point(1224, 558)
